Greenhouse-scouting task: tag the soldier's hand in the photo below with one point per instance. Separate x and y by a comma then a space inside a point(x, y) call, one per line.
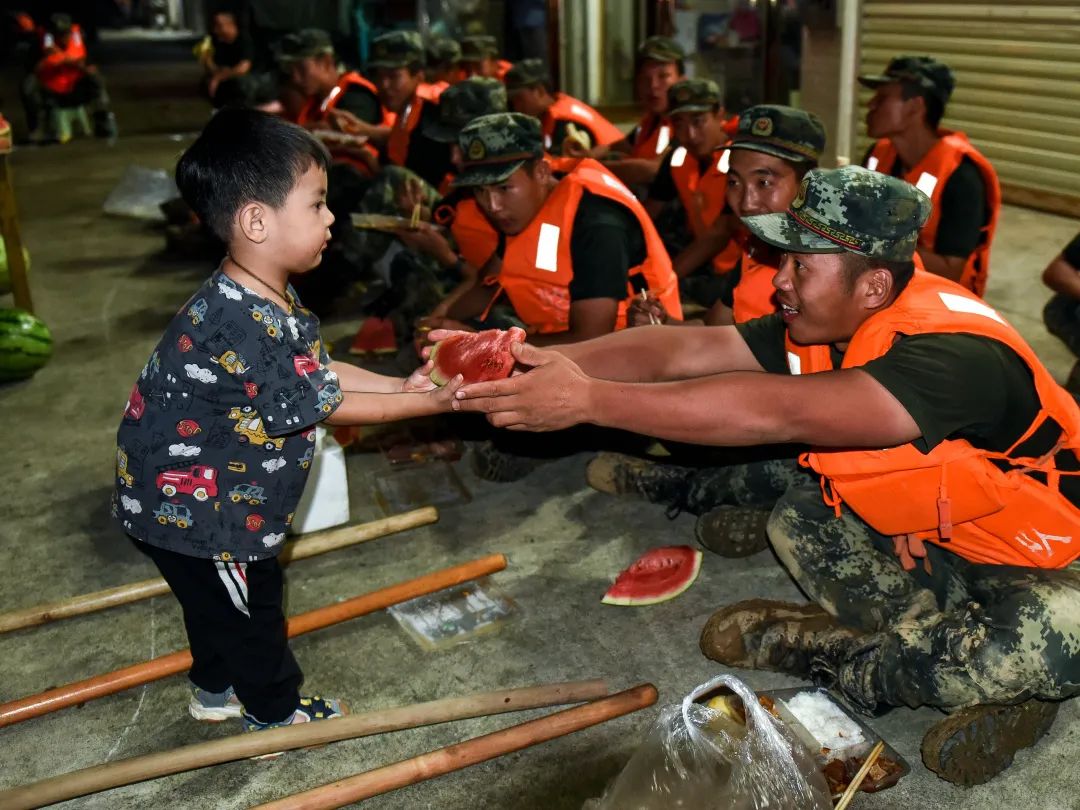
point(646, 312)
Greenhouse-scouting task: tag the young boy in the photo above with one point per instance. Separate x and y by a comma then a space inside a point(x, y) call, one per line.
point(216, 440)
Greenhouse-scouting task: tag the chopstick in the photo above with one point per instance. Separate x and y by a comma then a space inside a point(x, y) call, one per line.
point(853, 788)
point(414, 223)
point(652, 318)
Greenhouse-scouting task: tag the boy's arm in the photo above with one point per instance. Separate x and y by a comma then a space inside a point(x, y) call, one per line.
point(361, 381)
point(369, 408)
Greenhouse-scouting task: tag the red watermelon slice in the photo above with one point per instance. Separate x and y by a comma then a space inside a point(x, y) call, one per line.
point(658, 575)
point(476, 356)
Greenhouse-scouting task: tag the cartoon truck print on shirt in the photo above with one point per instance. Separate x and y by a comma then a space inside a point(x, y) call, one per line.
point(197, 311)
point(264, 314)
point(305, 460)
point(122, 474)
point(197, 480)
point(250, 428)
point(175, 513)
point(329, 395)
point(232, 362)
point(254, 495)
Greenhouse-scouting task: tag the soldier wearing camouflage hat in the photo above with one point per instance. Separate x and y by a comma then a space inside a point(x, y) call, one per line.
point(937, 533)
point(569, 126)
point(695, 174)
point(443, 66)
point(904, 116)
point(480, 57)
point(333, 100)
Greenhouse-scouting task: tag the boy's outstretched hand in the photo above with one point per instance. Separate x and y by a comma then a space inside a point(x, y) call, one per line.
point(419, 382)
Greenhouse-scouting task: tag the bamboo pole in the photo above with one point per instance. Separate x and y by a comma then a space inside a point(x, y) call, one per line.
point(109, 683)
point(455, 757)
point(200, 755)
point(314, 544)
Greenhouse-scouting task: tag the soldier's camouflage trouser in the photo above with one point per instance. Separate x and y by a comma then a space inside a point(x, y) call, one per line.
point(955, 636)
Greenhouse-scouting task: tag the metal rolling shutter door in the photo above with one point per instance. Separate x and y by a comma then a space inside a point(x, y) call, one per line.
point(1017, 96)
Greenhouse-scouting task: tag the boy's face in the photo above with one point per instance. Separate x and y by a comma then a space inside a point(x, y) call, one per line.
point(396, 87)
point(224, 28)
point(300, 229)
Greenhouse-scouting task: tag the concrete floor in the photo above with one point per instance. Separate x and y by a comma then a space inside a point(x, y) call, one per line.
point(106, 291)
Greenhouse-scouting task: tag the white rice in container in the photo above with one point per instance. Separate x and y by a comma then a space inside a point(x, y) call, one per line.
point(825, 721)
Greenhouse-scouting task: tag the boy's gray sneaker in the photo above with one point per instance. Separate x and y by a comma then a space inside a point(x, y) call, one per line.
point(213, 707)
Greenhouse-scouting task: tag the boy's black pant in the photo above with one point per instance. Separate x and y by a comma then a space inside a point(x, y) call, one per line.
point(236, 628)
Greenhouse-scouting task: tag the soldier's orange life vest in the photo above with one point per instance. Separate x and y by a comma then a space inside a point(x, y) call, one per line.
point(703, 197)
point(996, 508)
point(475, 236)
point(537, 267)
point(502, 67)
point(568, 108)
point(652, 136)
point(397, 148)
point(930, 176)
point(755, 295)
point(317, 110)
point(430, 91)
point(55, 71)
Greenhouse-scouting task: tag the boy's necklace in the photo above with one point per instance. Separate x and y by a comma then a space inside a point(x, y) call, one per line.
point(280, 293)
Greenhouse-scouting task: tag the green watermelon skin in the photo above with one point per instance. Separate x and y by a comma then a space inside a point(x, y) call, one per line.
point(25, 344)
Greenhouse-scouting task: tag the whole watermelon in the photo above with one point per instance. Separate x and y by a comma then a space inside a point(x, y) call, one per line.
point(25, 344)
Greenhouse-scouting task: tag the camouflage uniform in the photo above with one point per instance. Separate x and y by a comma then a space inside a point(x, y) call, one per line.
point(954, 633)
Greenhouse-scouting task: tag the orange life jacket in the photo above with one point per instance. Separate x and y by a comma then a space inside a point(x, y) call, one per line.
point(537, 266)
point(703, 198)
point(430, 91)
point(502, 67)
point(397, 148)
point(982, 505)
point(55, 71)
point(652, 136)
point(755, 295)
point(315, 111)
point(930, 176)
point(475, 236)
point(568, 108)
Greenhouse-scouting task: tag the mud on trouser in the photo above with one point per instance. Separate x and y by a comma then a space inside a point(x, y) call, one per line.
point(958, 635)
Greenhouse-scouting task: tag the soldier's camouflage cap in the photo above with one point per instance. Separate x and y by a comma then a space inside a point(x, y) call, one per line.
point(396, 49)
point(526, 73)
point(693, 95)
point(305, 44)
point(926, 72)
point(496, 146)
point(850, 209)
point(783, 132)
point(660, 49)
point(462, 102)
point(443, 50)
point(478, 47)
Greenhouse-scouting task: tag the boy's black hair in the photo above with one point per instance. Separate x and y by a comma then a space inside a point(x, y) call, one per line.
point(244, 156)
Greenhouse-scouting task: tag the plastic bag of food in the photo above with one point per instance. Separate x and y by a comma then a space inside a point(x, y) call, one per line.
point(703, 758)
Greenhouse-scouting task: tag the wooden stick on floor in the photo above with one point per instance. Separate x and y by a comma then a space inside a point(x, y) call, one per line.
point(310, 546)
point(109, 683)
point(479, 749)
point(200, 755)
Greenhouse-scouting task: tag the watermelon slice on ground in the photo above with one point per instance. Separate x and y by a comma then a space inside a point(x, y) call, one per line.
point(657, 575)
point(476, 356)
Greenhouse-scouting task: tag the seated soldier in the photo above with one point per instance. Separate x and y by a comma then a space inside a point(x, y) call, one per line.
point(225, 55)
point(1062, 312)
point(635, 160)
point(63, 78)
point(961, 594)
point(695, 173)
point(904, 115)
point(442, 67)
point(569, 126)
point(770, 153)
point(480, 57)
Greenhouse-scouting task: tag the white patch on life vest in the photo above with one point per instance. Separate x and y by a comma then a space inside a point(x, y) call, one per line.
point(725, 162)
point(794, 363)
point(678, 157)
point(872, 163)
point(960, 303)
point(547, 142)
point(1042, 544)
point(663, 139)
point(577, 109)
point(547, 248)
point(927, 183)
point(615, 183)
point(329, 99)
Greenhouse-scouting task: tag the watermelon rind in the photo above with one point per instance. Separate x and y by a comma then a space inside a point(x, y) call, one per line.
point(25, 345)
point(635, 601)
point(435, 376)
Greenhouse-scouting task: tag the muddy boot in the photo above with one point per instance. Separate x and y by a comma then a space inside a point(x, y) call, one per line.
point(492, 464)
point(656, 482)
point(972, 746)
point(779, 636)
point(733, 531)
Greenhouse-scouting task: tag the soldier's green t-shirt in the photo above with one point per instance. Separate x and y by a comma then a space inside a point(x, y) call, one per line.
point(954, 386)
